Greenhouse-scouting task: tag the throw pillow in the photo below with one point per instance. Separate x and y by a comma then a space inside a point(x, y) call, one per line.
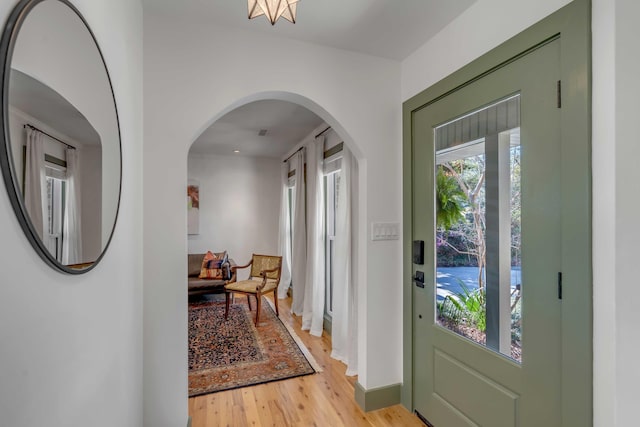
point(226, 265)
point(212, 266)
point(221, 255)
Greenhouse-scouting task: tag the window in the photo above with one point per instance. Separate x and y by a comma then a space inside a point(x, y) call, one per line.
point(291, 203)
point(54, 231)
point(332, 186)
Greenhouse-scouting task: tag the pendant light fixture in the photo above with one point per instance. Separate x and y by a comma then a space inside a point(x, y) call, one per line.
point(273, 9)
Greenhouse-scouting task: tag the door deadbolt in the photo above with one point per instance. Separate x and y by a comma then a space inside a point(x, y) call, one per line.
point(419, 279)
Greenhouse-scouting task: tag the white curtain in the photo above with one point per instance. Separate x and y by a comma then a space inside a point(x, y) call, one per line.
point(313, 315)
point(299, 244)
point(35, 181)
point(344, 329)
point(72, 241)
point(284, 236)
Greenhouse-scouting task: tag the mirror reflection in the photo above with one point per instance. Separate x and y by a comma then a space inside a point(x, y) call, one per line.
point(63, 136)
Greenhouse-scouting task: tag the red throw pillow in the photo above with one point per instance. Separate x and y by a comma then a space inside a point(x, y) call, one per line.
point(211, 266)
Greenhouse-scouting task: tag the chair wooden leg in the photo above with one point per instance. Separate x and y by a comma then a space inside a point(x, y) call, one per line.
point(226, 310)
point(259, 304)
point(275, 300)
point(249, 301)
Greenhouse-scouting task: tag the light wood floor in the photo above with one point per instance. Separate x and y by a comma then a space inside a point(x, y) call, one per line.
point(323, 399)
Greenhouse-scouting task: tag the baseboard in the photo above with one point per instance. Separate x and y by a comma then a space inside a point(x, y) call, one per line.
point(377, 398)
point(189, 422)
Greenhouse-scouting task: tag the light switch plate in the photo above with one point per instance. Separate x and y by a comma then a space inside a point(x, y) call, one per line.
point(385, 231)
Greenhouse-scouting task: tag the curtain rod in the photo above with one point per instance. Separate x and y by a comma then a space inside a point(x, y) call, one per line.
point(292, 154)
point(328, 128)
point(50, 136)
point(285, 160)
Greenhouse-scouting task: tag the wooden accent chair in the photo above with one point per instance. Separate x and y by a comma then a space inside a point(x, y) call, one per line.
point(264, 278)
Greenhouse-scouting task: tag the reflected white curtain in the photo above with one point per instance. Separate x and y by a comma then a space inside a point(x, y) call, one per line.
point(284, 235)
point(299, 242)
point(35, 181)
point(313, 315)
point(344, 337)
point(72, 241)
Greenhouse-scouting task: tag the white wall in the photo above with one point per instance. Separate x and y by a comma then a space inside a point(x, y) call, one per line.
point(480, 28)
point(239, 205)
point(71, 345)
point(331, 139)
point(194, 72)
point(616, 91)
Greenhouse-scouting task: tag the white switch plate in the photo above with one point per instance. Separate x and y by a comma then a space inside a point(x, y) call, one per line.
point(385, 231)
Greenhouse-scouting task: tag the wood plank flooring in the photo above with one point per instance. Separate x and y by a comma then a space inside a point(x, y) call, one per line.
point(322, 399)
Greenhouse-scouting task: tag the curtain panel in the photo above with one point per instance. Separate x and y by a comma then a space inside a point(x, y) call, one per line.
point(284, 235)
point(313, 314)
point(34, 185)
point(344, 328)
point(299, 243)
point(72, 240)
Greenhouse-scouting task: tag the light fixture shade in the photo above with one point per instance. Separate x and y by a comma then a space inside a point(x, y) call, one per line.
point(273, 9)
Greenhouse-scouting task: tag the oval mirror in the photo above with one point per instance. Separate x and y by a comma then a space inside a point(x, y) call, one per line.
point(61, 157)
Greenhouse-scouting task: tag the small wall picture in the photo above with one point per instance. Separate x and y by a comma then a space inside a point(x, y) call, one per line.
point(193, 207)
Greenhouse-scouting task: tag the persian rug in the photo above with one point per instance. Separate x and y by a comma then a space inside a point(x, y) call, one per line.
point(235, 353)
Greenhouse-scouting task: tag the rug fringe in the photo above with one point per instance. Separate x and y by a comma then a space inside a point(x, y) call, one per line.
point(303, 348)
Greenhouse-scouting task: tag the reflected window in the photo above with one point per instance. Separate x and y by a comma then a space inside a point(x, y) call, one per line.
point(55, 213)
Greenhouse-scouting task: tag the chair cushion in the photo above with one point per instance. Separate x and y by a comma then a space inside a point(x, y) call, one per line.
point(212, 266)
point(250, 286)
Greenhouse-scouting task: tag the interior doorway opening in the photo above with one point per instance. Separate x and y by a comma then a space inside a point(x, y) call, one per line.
point(245, 174)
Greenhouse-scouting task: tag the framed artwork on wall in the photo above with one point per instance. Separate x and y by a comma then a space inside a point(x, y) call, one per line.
point(193, 207)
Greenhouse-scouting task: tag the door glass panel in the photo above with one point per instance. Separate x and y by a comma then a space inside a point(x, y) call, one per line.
point(477, 198)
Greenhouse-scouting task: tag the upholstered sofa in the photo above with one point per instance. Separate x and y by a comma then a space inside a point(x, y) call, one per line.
point(199, 286)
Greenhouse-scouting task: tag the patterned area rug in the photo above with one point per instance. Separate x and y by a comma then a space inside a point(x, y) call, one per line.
point(229, 354)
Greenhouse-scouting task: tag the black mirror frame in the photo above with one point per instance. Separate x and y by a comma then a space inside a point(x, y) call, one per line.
point(7, 44)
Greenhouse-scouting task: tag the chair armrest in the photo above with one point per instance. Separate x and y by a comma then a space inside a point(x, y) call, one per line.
point(234, 275)
point(237, 267)
point(263, 273)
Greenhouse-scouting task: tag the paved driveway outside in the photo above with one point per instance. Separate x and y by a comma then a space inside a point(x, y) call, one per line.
point(448, 279)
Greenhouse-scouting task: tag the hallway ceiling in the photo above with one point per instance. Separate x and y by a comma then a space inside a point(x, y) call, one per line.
point(387, 28)
point(286, 124)
point(50, 108)
point(390, 29)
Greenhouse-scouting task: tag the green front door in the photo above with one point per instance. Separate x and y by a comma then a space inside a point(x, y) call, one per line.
point(487, 325)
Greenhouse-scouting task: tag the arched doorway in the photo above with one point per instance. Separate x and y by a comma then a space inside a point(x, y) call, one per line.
point(231, 163)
